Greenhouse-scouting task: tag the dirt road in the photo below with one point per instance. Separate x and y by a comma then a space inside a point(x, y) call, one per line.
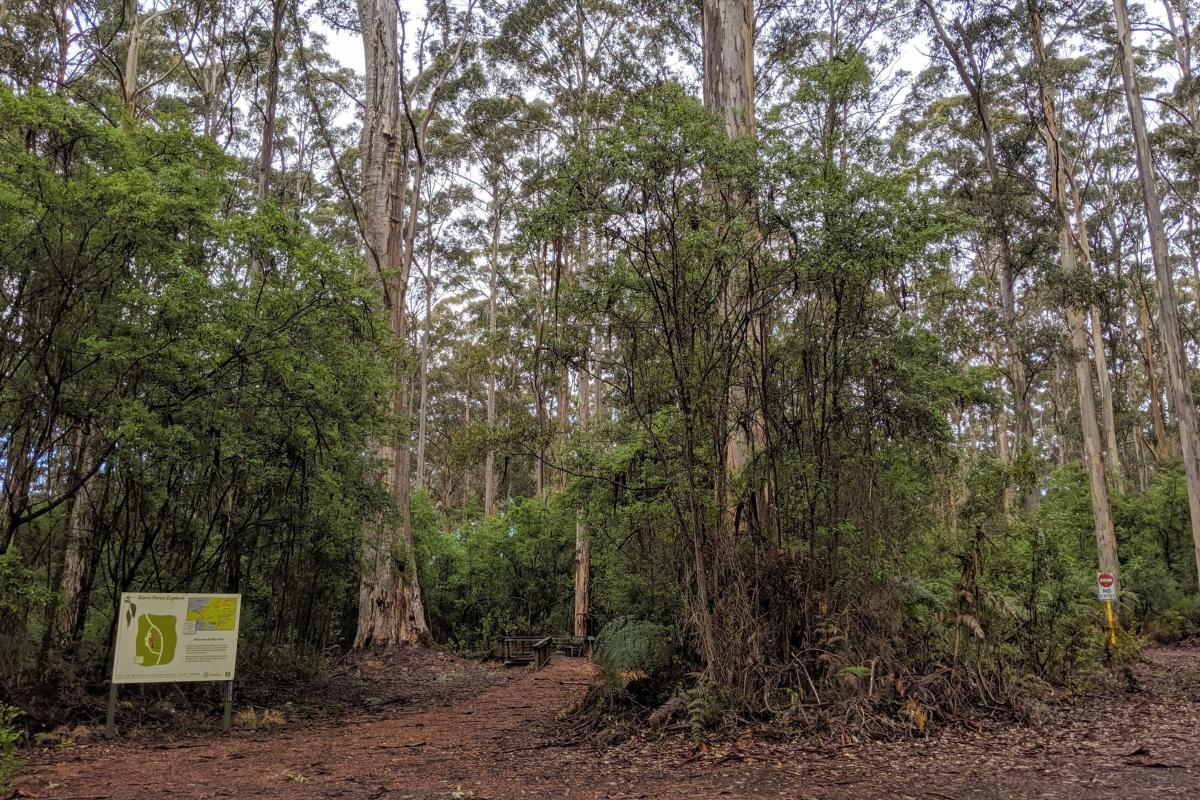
point(497, 744)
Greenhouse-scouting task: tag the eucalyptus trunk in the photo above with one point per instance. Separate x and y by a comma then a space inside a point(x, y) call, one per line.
point(266, 150)
point(582, 541)
point(133, 46)
point(423, 409)
point(1060, 180)
point(489, 469)
point(1178, 381)
point(78, 560)
point(1103, 379)
point(729, 93)
point(1162, 443)
point(390, 607)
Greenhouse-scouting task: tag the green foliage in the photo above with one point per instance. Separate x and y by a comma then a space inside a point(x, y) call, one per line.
point(626, 645)
point(220, 373)
point(10, 737)
point(1158, 568)
point(489, 577)
point(22, 593)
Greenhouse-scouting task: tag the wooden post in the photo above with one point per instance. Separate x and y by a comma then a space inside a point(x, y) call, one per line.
point(110, 723)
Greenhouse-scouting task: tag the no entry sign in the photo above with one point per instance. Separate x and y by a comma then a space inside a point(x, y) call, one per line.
point(1106, 586)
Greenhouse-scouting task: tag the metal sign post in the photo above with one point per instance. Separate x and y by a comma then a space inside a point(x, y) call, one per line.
point(1106, 590)
point(227, 720)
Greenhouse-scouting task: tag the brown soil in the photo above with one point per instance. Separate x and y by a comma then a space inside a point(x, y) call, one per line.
point(505, 742)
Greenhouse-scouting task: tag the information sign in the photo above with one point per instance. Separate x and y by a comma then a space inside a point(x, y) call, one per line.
point(176, 637)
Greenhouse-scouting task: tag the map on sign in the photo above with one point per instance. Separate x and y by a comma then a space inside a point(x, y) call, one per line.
point(211, 614)
point(156, 641)
point(176, 637)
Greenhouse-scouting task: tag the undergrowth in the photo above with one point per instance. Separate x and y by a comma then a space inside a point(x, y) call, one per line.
point(10, 737)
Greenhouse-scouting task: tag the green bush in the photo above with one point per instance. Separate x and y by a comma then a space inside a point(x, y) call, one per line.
point(10, 736)
point(626, 646)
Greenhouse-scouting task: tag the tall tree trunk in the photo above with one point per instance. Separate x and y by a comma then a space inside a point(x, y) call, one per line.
point(129, 78)
point(582, 541)
point(466, 479)
point(1103, 381)
point(1107, 407)
point(423, 410)
point(489, 468)
point(62, 25)
point(1060, 179)
point(729, 93)
point(390, 607)
point(539, 382)
point(1062, 412)
point(729, 64)
point(1178, 381)
point(266, 151)
point(724, 620)
point(78, 560)
point(1162, 444)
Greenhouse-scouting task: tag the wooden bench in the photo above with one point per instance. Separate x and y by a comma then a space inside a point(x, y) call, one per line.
point(526, 650)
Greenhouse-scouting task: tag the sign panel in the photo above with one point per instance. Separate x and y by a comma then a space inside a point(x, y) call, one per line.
point(1106, 586)
point(176, 637)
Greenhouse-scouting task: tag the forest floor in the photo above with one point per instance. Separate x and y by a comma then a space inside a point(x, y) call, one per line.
point(502, 737)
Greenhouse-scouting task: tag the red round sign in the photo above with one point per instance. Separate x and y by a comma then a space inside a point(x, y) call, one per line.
point(1104, 579)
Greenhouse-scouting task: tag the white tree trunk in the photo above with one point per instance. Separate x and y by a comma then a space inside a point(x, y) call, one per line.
point(1178, 381)
point(266, 150)
point(1060, 180)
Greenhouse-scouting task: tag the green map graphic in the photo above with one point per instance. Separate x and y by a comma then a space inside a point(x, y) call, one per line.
point(212, 613)
point(156, 640)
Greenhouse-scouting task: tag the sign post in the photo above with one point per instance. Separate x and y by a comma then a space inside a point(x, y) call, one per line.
point(175, 637)
point(1106, 590)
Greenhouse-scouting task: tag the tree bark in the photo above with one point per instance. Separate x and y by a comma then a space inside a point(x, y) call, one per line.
point(77, 558)
point(489, 469)
point(729, 633)
point(266, 152)
point(423, 410)
point(133, 46)
point(1178, 381)
point(582, 541)
point(1103, 381)
point(1162, 443)
point(539, 383)
point(1060, 180)
point(390, 607)
point(728, 29)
